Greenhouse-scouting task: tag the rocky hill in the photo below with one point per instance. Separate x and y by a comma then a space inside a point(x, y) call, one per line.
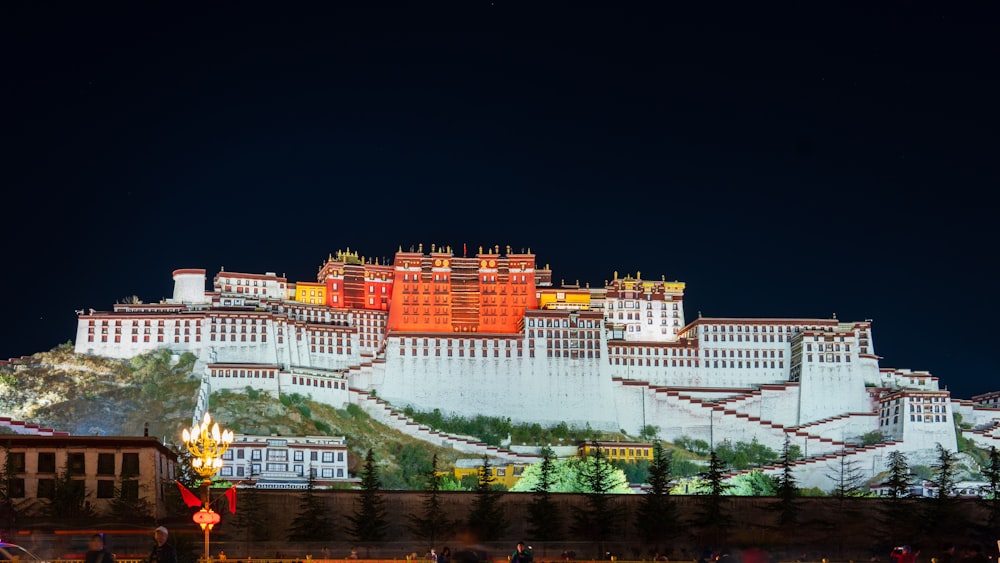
point(81, 394)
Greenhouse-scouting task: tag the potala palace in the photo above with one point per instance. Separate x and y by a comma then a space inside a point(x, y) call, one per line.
point(490, 334)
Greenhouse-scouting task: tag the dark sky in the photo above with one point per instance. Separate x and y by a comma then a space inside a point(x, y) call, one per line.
point(788, 161)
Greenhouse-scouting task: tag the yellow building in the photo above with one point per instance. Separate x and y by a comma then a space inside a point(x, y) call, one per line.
point(310, 292)
point(505, 475)
point(618, 451)
point(564, 298)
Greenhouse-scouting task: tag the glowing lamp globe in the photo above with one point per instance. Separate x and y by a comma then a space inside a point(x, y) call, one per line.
point(206, 518)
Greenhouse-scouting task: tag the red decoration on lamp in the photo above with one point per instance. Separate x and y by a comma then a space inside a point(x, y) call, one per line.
point(206, 518)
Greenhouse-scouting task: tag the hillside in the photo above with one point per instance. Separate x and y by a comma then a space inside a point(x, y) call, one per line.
point(87, 395)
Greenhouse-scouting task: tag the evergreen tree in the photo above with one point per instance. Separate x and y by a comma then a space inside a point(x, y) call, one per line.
point(597, 477)
point(896, 512)
point(944, 472)
point(942, 517)
point(69, 498)
point(368, 523)
point(786, 489)
point(657, 514)
point(11, 488)
point(544, 518)
point(899, 481)
point(127, 504)
point(848, 479)
point(311, 523)
point(487, 520)
point(992, 490)
point(713, 521)
point(431, 524)
point(251, 516)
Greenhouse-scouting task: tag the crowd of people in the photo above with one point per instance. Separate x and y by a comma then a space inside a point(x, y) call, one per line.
point(163, 552)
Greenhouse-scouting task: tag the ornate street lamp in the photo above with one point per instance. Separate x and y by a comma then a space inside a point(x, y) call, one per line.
point(206, 443)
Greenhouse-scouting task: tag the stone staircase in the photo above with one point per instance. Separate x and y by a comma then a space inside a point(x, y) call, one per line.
point(381, 411)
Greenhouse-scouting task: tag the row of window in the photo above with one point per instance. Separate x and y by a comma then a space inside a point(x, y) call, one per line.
point(76, 463)
point(461, 352)
point(282, 455)
point(829, 358)
point(635, 305)
point(556, 323)
point(316, 382)
point(299, 470)
point(916, 418)
point(46, 488)
point(781, 329)
point(740, 338)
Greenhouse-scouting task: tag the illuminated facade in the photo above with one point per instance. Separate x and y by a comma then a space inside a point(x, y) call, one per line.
point(285, 462)
point(101, 468)
point(629, 452)
point(505, 474)
point(490, 334)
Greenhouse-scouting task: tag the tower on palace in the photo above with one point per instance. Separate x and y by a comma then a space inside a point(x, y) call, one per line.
point(443, 293)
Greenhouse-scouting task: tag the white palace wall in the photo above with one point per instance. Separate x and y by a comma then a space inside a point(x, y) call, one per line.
point(540, 389)
point(830, 390)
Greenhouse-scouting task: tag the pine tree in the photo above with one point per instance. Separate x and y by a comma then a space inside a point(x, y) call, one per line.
point(69, 499)
point(848, 479)
point(899, 481)
point(992, 490)
point(786, 489)
point(369, 522)
point(127, 504)
point(487, 520)
point(897, 514)
point(251, 516)
point(544, 518)
point(657, 514)
point(595, 519)
point(431, 524)
point(712, 519)
point(942, 517)
point(312, 522)
point(10, 488)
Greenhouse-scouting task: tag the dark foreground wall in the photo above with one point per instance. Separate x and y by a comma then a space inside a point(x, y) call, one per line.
point(828, 526)
point(853, 529)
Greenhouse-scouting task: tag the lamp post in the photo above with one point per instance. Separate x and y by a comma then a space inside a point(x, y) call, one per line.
point(207, 444)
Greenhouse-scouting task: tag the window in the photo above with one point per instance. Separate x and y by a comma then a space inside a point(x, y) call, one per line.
point(46, 463)
point(240, 454)
point(15, 488)
point(340, 456)
point(255, 455)
point(297, 455)
point(298, 470)
point(105, 488)
point(77, 464)
point(130, 464)
point(17, 462)
point(105, 466)
point(46, 488)
point(327, 457)
point(313, 456)
point(130, 489)
point(328, 472)
point(226, 472)
point(239, 471)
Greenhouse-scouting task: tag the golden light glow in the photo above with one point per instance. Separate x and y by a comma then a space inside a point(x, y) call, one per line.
point(207, 442)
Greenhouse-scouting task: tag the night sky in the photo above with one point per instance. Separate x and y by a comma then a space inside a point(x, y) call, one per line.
point(811, 160)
